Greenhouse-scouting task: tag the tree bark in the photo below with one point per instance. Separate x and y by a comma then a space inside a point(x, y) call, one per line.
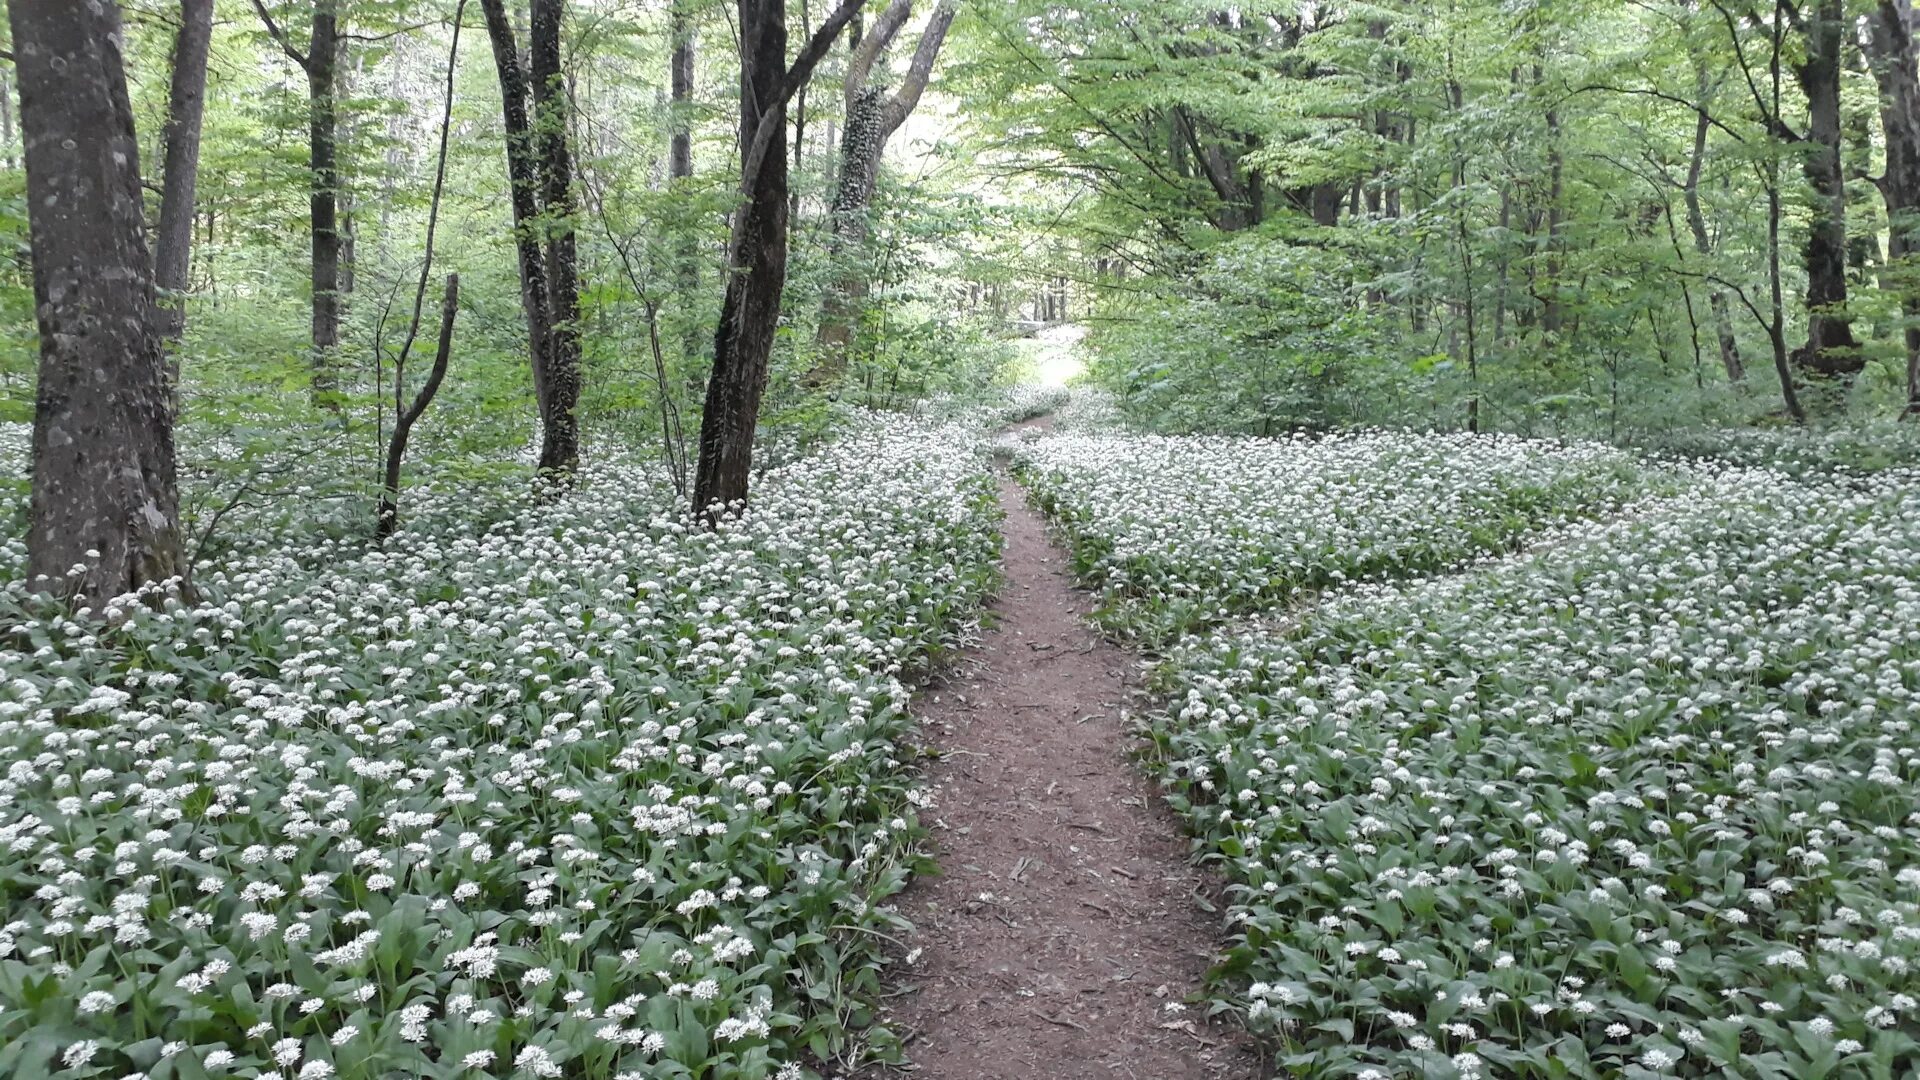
point(186, 104)
point(870, 119)
point(1553, 309)
point(6, 121)
point(1776, 322)
point(560, 446)
point(320, 62)
point(323, 201)
point(1831, 354)
point(540, 179)
point(1896, 67)
point(756, 252)
point(680, 143)
point(680, 168)
point(523, 185)
point(104, 494)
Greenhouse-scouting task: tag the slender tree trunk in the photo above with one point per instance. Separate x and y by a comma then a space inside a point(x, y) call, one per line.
point(680, 170)
point(1896, 66)
point(104, 495)
point(680, 142)
point(405, 415)
point(523, 183)
point(1831, 354)
point(186, 103)
point(6, 121)
point(1553, 310)
point(323, 202)
point(799, 124)
point(389, 517)
point(1776, 301)
point(1703, 243)
point(560, 447)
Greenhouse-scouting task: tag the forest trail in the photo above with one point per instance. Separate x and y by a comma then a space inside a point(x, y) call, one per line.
point(1062, 936)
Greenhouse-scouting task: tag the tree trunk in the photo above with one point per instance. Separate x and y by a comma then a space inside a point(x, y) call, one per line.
point(323, 56)
point(186, 103)
point(799, 127)
point(523, 184)
point(104, 494)
point(861, 145)
point(757, 251)
point(680, 143)
point(1830, 354)
point(757, 267)
point(1896, 66)
point(871, 117)
point(680, 170)
point(405, 415)
point(560, 446)
point(6, 121)
point(1553, 308)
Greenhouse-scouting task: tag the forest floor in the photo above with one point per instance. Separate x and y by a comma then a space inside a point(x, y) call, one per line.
point(1064, 933)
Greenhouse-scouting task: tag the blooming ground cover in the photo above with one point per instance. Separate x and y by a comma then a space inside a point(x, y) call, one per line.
point(1857, 448)
point(1180, 533)
point(995, 407)
point(583, 791)
point(1643, 804)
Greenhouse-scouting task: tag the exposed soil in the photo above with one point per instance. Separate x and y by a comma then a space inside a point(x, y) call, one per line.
point(1064, 933)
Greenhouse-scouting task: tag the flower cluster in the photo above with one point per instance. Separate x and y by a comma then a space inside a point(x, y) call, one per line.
point(1641, 802)
point(1181, 533)
point(587, 791)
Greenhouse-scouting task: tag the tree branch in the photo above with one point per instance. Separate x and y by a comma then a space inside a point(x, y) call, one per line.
point(920, 71)
point(1698, 109)
point(867, 53)
point(368, 39)
point(1737, 290)
point(773, 113)
point(1773, 124)
point(279, 37)
point(816, 48)
point(868, 49)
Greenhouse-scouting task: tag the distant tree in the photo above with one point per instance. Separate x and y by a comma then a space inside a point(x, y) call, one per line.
point(320, 60)
point(104, 493)
point(680, 159)
point(871, 116)
point(186, 105)
point(540, 181)
point(757, 249)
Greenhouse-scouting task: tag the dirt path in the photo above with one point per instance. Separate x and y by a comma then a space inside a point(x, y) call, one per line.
point(1062, 936)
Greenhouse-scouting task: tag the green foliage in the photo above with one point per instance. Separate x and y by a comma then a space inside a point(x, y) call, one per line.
point(1258, 337)
point(1472, 215)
